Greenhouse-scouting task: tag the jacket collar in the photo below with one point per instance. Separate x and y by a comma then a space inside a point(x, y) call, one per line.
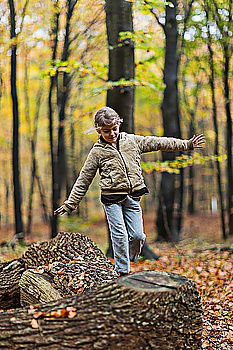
point(102, 143)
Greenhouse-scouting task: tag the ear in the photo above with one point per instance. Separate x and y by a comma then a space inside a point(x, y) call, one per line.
point(98, 130)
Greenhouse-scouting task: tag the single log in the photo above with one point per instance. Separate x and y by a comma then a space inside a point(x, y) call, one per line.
point(146, 310)
point(72, 261)
point(10, 274)
point(37, 288)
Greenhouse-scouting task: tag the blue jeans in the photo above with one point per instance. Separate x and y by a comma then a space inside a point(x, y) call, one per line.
point(127, 234)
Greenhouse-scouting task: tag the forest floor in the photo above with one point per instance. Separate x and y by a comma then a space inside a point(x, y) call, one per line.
point(201, 256)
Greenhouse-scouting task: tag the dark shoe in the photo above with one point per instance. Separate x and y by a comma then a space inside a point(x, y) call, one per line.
point(122, 274)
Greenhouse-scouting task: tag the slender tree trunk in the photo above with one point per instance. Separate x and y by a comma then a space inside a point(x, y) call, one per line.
point(229, 135)
point(55, 203)
point(7, 195)
point(15, 147)
point(42, 198)
point(216, 129)
point(32, 132)
point(63, 86)
point(191, 132)
point(121, 60)
point(166, 227)
point(191, 190)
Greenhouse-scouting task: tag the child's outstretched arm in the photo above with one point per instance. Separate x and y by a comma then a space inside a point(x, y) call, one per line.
point(81, 185)
point(168, 144)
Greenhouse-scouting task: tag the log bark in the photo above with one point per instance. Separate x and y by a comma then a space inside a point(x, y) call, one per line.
point(146, 310)
point(10, 274)
point(72, 262)
point(36, 288)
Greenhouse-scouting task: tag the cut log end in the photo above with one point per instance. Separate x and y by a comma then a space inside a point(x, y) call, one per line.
point(154, 281)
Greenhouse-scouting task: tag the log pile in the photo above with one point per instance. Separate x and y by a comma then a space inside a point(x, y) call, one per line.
point(68, 264)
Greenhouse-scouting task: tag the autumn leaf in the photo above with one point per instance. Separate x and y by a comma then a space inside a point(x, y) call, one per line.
point(34, 323)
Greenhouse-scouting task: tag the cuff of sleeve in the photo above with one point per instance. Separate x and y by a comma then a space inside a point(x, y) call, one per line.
point(190, 145)
point(68, 208)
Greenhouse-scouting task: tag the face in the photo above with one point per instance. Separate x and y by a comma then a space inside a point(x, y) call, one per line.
point(110, 132)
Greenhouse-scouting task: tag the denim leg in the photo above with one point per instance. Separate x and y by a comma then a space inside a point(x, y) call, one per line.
point(119, 236)
point(134, 224)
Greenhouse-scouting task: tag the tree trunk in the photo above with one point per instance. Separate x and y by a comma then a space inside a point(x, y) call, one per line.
point(121, 65)
point(147, 310)
point(166, 227)
point(54, 40)
point(63, 92)
point(229, 135)
point(191, 189)
point(121, 60)
point(216, 129)
point(44, 206)
point(33, 141)
point(15, 147)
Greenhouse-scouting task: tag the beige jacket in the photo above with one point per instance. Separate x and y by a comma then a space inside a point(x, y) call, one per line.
point(120, 170)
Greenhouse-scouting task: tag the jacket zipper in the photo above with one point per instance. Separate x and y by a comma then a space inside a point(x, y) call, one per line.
point(123, 161)
point(126, 171)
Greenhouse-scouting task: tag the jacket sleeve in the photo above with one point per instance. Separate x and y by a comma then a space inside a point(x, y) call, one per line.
point(155, 143)
point(83, 182)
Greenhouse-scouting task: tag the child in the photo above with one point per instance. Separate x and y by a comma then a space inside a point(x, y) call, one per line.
point(117, 157)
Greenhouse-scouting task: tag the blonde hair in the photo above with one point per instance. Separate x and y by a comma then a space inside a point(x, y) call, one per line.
point(106, 116)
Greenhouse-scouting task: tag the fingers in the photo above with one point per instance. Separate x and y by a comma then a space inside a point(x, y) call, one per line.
point(198, 141)
point(59, 211)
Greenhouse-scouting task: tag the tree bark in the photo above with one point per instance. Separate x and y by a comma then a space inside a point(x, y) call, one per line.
point(147, 310)
point(15, 147)
point(71, 261)
point(121, 60)
point(10, 274)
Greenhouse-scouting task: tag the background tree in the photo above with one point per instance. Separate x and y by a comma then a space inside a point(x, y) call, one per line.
point(122, 66)
point(121, 60)
point(54, 31)
point(19, 230)
point(223, 16)
point(215, 118)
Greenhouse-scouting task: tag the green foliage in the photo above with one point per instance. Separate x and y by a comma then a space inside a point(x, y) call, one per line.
point(183, 161)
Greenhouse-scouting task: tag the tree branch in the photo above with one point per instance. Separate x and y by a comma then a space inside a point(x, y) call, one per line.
point(151, 9)
point(23, 16)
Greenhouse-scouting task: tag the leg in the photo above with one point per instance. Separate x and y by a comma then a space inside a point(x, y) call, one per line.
point(134, 223)
point(119, 236)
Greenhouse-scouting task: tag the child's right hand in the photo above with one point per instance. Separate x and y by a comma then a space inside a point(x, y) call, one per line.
point(59, 211)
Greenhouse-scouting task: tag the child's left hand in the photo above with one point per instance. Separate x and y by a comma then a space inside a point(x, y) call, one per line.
point(198, 141)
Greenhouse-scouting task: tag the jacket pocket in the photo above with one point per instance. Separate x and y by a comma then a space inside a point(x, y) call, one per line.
point(106, 178)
